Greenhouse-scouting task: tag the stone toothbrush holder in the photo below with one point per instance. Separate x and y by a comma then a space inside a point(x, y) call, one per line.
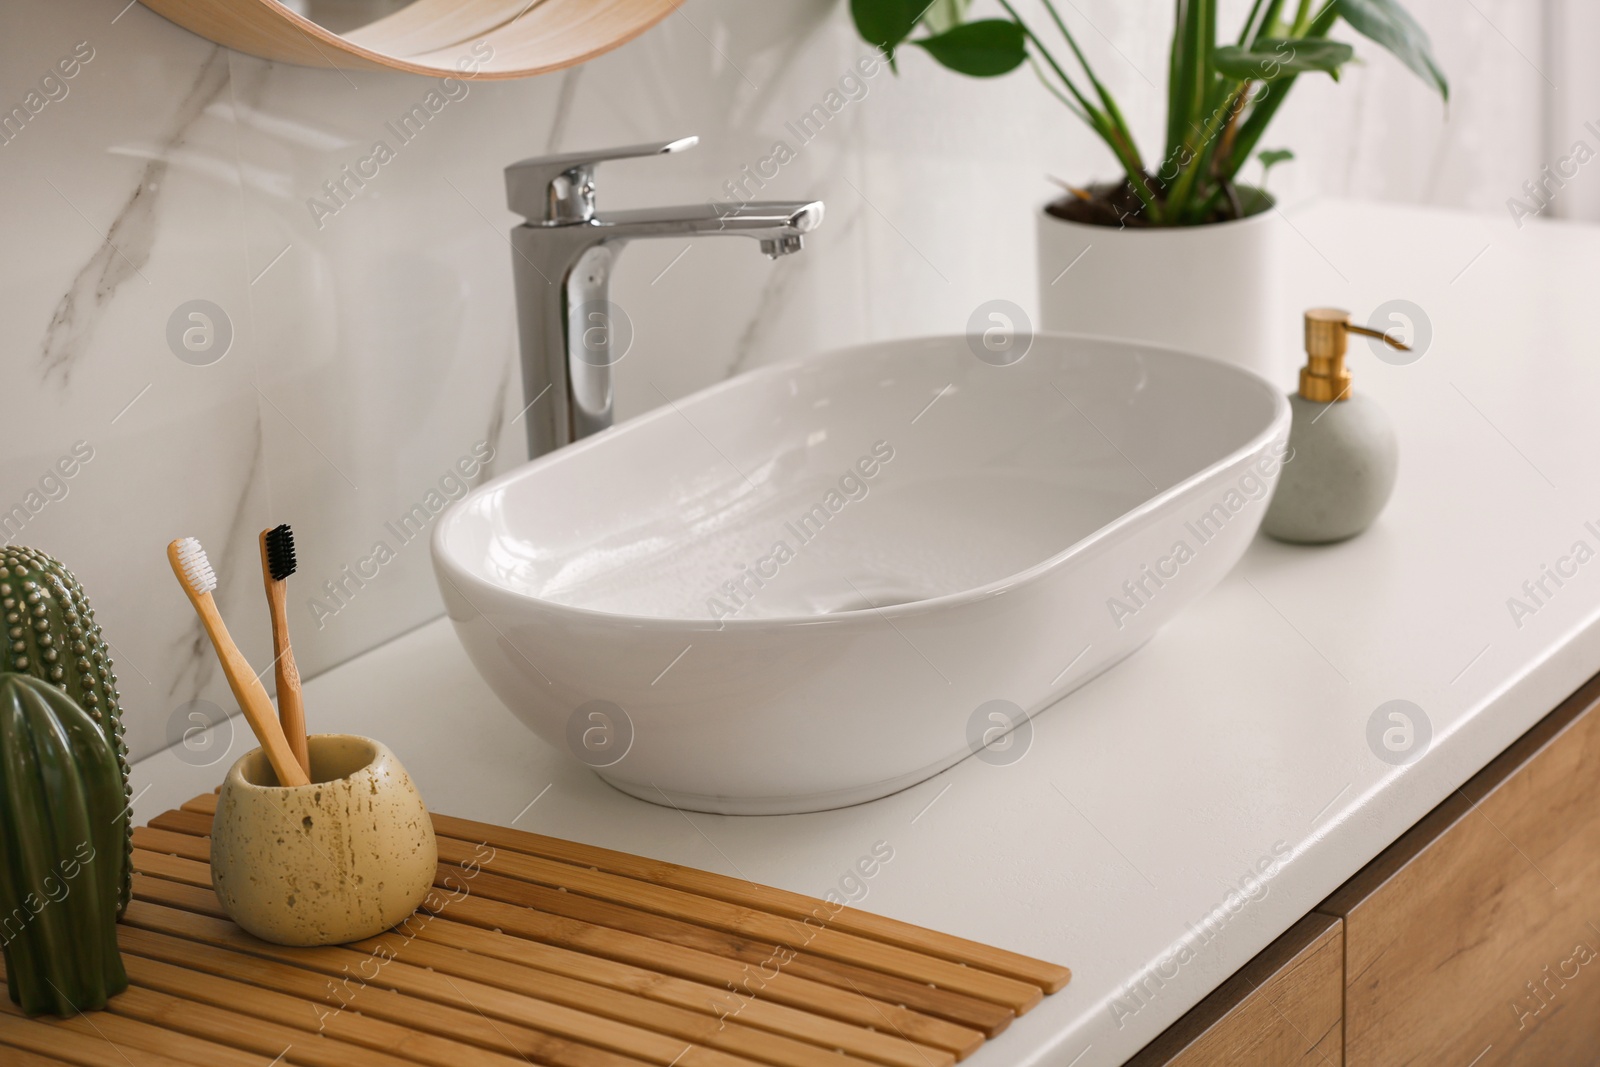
point(344, 858)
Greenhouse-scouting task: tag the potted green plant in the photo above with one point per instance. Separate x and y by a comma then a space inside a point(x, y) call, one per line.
point(1185, 225)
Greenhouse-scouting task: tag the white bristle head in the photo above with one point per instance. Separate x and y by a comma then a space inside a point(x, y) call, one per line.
point(196, 568)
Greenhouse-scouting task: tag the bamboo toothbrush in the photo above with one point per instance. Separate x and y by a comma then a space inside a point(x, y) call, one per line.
point(277, 563)
point(194, 573)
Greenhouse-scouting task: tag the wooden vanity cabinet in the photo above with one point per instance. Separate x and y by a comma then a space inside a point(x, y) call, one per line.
point(1475, 938)
point(1280, 1008)
point(1472, 941)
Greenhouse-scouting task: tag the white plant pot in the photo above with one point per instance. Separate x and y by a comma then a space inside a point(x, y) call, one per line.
point(1212, 290)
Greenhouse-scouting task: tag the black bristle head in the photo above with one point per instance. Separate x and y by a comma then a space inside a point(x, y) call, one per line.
point(280, 552)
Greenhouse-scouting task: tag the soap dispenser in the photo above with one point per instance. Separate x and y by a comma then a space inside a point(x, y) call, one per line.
point(1343, 454)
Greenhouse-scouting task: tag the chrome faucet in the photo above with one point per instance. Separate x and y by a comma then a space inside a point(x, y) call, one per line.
point(562, 260)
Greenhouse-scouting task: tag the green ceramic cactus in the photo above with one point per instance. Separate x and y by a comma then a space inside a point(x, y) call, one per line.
point(63, 820)
point(51, 634)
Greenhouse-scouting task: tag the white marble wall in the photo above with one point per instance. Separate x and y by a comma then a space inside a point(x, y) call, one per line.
point(373, 348)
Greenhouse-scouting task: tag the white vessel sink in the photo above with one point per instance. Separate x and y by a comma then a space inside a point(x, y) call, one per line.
point(796, 590)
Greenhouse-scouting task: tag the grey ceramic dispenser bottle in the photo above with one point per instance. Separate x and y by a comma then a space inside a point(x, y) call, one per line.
point(1343, 453)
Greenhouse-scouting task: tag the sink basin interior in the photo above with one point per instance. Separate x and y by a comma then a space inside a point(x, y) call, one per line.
point(911, 472)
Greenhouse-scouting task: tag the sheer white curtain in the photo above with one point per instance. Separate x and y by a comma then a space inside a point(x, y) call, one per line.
point(1382, 134)
point(1572, 36)
point(1525, 95)
point(1523, 77)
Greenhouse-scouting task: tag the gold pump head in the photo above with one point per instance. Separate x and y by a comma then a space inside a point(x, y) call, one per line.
point(1325, 379)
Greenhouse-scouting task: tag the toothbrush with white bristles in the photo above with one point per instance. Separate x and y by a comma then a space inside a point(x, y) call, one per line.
point(194, 573)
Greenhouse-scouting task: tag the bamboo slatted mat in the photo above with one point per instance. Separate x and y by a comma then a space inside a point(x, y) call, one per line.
point(534, 950)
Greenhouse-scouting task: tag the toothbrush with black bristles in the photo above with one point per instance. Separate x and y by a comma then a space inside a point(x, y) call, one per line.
point(277, 563)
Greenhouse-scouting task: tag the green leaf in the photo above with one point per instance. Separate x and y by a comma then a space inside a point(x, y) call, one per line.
point(945, 15)
point(885, 24)
point(1390, 25)
point(1274, 58)
point(1253, 201)
point(981, 49)
point(1270, 159)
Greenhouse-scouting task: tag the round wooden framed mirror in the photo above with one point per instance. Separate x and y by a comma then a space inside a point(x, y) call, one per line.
point(432, 37)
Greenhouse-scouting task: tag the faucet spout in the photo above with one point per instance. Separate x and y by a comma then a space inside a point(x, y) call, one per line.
point(779, 224)
point(563, 257)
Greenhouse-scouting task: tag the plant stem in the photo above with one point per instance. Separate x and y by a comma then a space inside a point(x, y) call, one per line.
point(1117, 140)
point(1210, 203)
point(1066, 101)
point(1232, 194)
point(1269, 20)
point(1190, 74)
point(1175, 81)
point(1201, 163)
point(1251, 131)
point(1302, 19)
point(1247, 34)
point(1217, 149)
point(1202, 102)
point(1112, 112)
point(1066, 79)
point(1231, 132)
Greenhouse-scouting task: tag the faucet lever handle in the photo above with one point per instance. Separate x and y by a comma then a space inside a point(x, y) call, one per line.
point(560, 189)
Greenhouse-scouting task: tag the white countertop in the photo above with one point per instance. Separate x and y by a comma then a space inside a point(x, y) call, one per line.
point(1151, 794)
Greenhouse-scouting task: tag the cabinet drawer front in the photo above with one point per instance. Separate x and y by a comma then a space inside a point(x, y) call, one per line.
point(1473, 938)
point(1281, 1008)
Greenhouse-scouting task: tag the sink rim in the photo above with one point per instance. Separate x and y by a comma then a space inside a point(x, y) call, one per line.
point(452, 570)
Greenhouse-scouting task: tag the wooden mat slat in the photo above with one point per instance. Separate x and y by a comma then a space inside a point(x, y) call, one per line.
point(790, 985)
point(549, 953)
point(522, 1039)
point(765, 1014)
point(703, 1026)
point(232, 1014)
point(822, 939)
point(12, 1056)
point(235, 1030)
point(177, 967)
point(666, 932)
point(599, 954)
point(76, 1048)
point(172, 868)
point(117, 1035)
point(775, 929)
point(169, 843)
point(533, 1012)
point(957, 1007)
point(1048, 976)
point(428, 1032)
point(808, 1047)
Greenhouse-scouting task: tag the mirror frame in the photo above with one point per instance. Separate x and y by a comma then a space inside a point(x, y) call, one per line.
point(430, 37)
